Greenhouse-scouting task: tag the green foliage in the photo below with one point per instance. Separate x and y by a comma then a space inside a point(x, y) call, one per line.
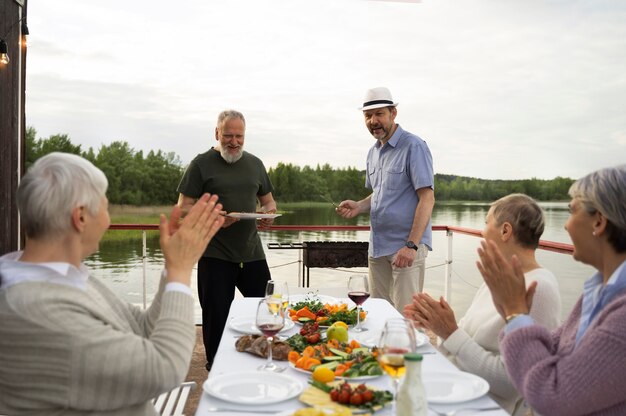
point(462, 188)
point(292, 183)
point(135, 179)
point(35, 148)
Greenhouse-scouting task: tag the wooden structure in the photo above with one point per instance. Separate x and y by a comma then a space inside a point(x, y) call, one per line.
point(12, 122)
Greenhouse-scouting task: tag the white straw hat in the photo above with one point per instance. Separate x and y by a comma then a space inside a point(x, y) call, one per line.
point(377, 98)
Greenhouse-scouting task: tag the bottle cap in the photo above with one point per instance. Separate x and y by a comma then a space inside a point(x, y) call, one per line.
point(413, 356)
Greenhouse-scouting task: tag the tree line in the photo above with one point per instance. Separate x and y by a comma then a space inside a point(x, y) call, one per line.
point(134, 178)
point(151, 179)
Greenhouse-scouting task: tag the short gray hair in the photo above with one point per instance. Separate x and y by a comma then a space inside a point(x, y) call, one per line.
point(55, 185)
point(524, 215)
point(605, 190)
point(228, 115)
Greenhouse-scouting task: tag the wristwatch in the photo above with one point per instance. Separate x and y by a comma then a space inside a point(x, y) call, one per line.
point(411, 244)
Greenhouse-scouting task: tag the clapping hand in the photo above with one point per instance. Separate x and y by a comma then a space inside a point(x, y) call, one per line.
point(430, 314)
point(184, 242)
point(505, 280)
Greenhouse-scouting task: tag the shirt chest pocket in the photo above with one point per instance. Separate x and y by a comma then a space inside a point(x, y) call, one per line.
point(395, 178)
point(374, 177)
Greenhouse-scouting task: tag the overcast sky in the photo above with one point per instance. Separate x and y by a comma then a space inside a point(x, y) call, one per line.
point(498, 89)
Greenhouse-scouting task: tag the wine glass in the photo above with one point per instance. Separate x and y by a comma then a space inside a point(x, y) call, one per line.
point(279, 290)
point(358, 292)
point(396, 339)
point(270, 320)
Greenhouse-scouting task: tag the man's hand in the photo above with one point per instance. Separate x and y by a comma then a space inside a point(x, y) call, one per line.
point(228, 221)
point(348, 209)
point(404, 257)
point(266, 223)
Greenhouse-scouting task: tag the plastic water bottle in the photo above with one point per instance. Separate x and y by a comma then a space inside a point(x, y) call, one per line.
point(411, 399)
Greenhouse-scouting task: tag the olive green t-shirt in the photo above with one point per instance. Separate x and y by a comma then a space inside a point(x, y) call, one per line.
point(238, 185)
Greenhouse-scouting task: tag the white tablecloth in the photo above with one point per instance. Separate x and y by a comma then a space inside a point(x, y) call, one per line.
point(228, 360)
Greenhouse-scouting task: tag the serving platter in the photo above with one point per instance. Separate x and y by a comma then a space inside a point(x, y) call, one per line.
point(251, 215)
point(312, 396)
point(358, 378)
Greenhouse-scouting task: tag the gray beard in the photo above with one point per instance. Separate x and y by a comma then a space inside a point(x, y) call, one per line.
point(231, 158)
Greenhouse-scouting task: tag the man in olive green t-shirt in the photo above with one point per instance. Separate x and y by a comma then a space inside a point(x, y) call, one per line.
point(235, 256)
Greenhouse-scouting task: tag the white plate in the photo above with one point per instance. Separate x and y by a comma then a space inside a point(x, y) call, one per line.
point(253, 387)
point(302, 370)
point(251, 215)
point(372, 340)
point(246, 325)
point(453, 387)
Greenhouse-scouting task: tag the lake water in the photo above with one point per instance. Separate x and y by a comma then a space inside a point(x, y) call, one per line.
point(120, 265)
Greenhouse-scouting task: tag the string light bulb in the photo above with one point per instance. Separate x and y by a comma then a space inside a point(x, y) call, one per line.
point(4, 52)
point(25, 34)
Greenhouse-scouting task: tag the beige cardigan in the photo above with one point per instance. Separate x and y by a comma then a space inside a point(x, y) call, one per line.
point(66, 351)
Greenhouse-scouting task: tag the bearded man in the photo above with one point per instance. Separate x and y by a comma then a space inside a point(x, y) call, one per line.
point(235, 256)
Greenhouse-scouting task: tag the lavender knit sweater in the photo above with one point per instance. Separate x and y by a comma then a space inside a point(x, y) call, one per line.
point(557, 379)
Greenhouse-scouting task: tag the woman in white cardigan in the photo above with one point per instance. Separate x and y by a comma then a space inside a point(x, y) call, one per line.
point(68, 345)
point(515, 223)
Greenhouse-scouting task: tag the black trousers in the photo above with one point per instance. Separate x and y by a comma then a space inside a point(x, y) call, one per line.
point(217, 280)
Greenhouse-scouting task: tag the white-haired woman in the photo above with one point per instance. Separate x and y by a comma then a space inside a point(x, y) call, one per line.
point(514, 223)
point(580, 368)
point(68, 345)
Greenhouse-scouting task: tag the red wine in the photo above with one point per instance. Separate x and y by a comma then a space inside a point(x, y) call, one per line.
point(358, 297)
point(269, 330)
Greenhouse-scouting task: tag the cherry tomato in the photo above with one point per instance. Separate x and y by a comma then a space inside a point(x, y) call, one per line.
point(334, 395)
point(356, 399)
point(344, 397)
point(361, 388)
point(368, 396)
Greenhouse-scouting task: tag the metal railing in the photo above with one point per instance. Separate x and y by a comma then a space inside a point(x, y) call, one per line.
point(449, 230)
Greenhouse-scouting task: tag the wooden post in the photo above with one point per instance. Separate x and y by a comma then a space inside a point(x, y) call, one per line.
point(12, 122)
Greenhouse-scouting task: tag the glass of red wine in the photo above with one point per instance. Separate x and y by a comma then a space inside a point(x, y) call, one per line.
point(358, 292)
point(270, 320)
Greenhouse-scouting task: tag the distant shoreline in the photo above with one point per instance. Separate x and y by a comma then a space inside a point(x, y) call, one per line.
point(136, 210)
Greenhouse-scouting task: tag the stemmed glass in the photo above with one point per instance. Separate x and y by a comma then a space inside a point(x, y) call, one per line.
point(396, 340)
point(270, 320)
point(279, 291)
point(358, 292)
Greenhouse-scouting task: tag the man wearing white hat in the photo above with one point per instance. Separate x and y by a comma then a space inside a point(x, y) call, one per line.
point(400, 175)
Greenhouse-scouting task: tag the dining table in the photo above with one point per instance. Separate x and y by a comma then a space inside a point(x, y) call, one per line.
point(231, 365)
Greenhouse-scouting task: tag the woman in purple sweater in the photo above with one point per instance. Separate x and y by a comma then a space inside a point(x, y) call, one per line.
point(579, 368)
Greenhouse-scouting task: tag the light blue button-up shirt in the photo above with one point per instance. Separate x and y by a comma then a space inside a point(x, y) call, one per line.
point(395, 171)
point(596, 296)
